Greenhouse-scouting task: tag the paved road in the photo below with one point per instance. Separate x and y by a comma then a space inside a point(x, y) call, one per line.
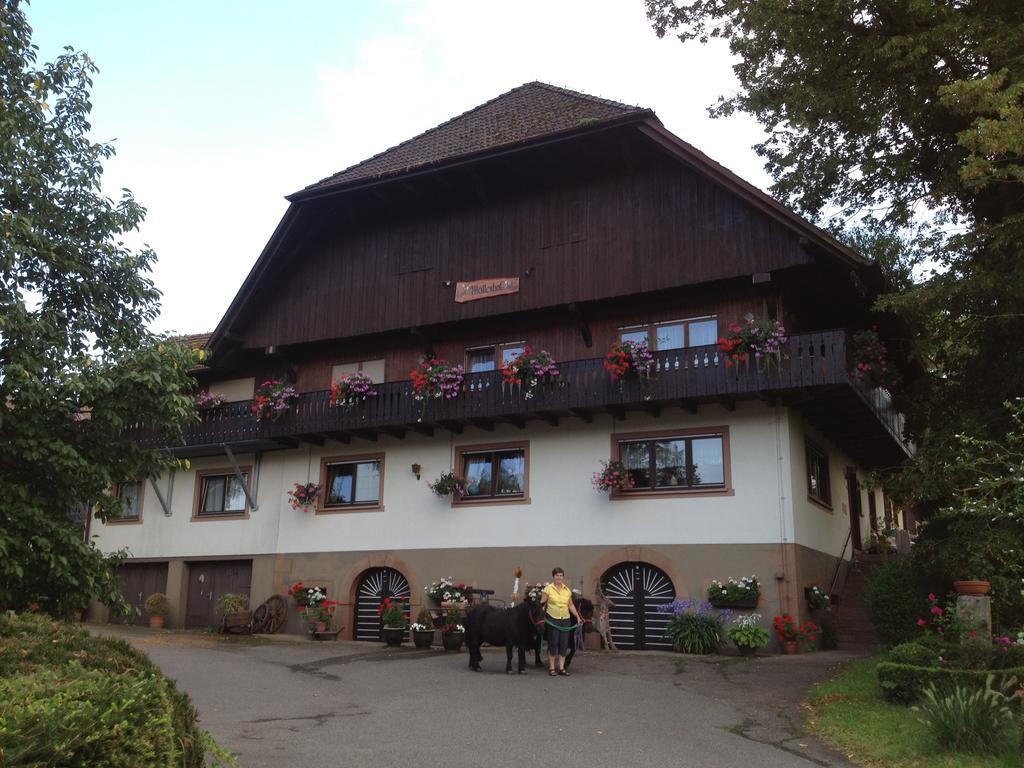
point(355, 704)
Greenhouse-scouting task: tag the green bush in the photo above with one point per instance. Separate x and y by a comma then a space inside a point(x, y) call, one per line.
point(968, 719)
point(44, 663)
point(895, 600)
point(917, 654)
point(905, 683)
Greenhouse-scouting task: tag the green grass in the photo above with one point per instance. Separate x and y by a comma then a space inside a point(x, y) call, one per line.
point(848, 712)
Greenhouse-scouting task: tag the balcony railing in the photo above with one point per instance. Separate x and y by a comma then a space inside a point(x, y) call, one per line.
point(681, 377)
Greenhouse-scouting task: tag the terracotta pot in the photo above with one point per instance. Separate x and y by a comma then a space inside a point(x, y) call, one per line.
point(790, 647)
point(157, 622)
point(423, 638)
point(394, 636)
point(970, 587)
point(452, 641)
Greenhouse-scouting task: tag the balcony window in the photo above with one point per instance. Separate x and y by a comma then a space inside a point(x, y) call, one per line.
point(492, 357)
point(819, 485)
point(494, 473)
point(352, 482)
point(372, 368)
point(675, 334)
point(220, 493)
point(682, 460)
point(130, 495)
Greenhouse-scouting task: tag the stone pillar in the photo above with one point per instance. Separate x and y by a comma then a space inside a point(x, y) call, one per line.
point(976, 612)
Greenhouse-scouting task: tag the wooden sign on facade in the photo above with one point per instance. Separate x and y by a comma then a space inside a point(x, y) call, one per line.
point(485, 289)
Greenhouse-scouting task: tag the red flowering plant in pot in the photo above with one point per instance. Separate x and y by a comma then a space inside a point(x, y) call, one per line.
point(613, 477)
point(350, 389)
point(761, 340)
point(303, 496)
point(870, 361)
point(436, 379)
point(530, 370)
point(629, 360)
point(393, 612)
point(272, 398)
point(792, 634)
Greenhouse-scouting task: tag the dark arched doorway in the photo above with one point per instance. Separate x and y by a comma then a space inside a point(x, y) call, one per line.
point(636, 590)
point(373, 586)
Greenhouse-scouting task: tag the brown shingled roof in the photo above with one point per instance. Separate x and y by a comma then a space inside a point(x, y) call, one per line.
point(195, 340)
point(527, 112)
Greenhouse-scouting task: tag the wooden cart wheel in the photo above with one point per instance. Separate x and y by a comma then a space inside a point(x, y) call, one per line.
point(270, 616)
point(259, 618)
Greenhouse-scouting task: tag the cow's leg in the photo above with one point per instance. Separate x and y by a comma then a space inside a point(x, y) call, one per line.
point(522, 659)
point(538, 645)
point(474, 654)
point(508, 654)
point(572, 652)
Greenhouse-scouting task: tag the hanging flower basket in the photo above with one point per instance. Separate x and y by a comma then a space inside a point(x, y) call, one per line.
point(272, 398)
point(449, 484)
point(613, 477)
point(207, 401)
point(350, 389)
point(870, 361)
point(761, 340)
point(629, 360)
point(530, 370)
point(304, 496)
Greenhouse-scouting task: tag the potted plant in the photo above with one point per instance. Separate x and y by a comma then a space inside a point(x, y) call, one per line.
point(350, 389)
point(392, 616)
point(445, 590)
point(436, 379)
point(272, 398)
point(612, 478)
point(735, 594)
point(870, 364)
point(452, 635)
point(788, 632)
point(747, 635)
point(529, 370)
point(207, 401)
point(448, 484)
point(760, 339)
point(157, 607)
point(321, 615)
point(423, 629)
point(977, 587)
point(817, 600)
point(309, 599)
point(304, 496)
point(234, 611)
point(629, 360)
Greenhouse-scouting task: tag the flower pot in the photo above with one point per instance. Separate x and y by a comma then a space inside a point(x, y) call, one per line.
point(76, 616)
point(157, 622)
point(790, 647)
point(423, 638)
point(452, 641)
point(240, 620)
point(737, 604)
point(394, 636)
point(971, 587)
point(746, 650)
point(319, 626)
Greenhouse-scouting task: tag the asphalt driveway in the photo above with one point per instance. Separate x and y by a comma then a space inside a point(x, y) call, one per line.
point(286, 703)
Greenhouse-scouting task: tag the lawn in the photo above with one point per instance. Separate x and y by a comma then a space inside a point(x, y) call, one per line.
point(848, 712)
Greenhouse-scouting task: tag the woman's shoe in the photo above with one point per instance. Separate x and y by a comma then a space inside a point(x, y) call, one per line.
point(564, 672)
point(552, 673)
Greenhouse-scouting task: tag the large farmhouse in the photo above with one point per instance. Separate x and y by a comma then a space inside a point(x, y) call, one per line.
point(561, 222)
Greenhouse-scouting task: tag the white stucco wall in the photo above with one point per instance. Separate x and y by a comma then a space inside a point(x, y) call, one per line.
point(815, 525)
point(562, 460)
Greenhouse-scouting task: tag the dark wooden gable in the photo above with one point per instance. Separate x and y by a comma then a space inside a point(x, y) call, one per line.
point(606, 217)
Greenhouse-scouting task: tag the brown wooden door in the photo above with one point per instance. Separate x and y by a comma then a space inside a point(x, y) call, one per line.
point(853, 492)
point(208, 582)
point(139, 581)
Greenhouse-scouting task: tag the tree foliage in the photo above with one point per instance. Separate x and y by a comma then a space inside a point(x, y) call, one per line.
point(78, 368)
point(900, 125)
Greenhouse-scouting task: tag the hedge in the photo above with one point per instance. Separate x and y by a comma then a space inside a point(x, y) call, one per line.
point(68, 698)
point(904, 683)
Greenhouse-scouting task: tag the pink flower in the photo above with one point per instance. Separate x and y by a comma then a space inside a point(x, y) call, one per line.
point(974, 633)
point(931, 596)
point(921, 622)
point(936, 610)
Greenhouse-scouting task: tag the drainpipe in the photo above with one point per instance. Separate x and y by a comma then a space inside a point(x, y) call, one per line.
point(780, 464)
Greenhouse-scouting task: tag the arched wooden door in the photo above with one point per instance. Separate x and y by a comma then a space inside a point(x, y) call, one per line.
point(374, 585)
point(636, 590)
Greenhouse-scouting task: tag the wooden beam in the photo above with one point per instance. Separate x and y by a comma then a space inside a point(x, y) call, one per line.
point(582, 325)
point(398, 432)
point(729, 403)
point(312, 439)
point(287, 442)
point(618, 412)
point(549, 417)
point(366, 434)
point(518, 421)
point(651, 408)
point(583, 413)
point(452, 426)
point(424, 429)
point(341, 437)
point(689, 405)
point(484, 424)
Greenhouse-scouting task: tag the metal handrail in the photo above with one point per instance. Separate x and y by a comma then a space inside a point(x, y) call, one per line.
point(839, 562)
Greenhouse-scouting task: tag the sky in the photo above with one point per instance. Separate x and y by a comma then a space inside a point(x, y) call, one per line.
point(217, 110)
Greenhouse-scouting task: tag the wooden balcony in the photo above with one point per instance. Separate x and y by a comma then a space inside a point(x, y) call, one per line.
point(811, 375)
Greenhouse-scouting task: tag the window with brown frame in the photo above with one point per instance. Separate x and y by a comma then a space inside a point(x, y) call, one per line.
point(220, 494)
point(372, 368)
point(683, 462)
point(674, 334)
point(493, 356)
point(130, 494)
point(352, 482)
point(498, 472)
point(819, 484)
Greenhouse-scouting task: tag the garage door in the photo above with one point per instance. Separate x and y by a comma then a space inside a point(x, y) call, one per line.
point(208, 582)
point(636, 590)
point(139, 581)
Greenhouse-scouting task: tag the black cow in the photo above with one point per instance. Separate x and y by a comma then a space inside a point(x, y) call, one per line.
point(585, 608)
point(509, 627)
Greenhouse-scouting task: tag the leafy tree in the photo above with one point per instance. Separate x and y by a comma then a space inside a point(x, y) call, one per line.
point(78, 369)
point(908, 118)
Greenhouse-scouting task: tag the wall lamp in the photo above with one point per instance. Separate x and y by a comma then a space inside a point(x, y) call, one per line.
point(416, 468)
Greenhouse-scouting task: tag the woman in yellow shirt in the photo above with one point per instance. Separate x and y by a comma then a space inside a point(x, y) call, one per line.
point(557, 599)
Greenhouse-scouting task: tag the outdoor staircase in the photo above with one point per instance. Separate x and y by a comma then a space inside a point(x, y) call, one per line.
point(853, 628)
